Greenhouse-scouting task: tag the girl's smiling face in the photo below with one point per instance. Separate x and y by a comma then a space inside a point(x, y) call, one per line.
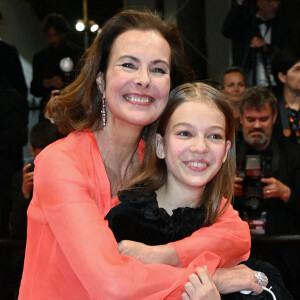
point(194, 145)
point(137, 81)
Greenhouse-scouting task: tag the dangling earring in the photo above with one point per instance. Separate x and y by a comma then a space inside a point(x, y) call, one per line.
point(103, 112)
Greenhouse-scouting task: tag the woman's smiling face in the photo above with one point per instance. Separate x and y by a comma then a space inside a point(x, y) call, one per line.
point(137, 81)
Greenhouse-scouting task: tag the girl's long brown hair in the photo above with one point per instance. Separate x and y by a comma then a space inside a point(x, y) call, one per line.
point(153, 173)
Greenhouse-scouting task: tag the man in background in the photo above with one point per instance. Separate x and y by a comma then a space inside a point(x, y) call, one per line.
point(13, 136)
point(55, 66)
point(41, 135)
point(256, 33)
point(270, 189)
point(13, 124)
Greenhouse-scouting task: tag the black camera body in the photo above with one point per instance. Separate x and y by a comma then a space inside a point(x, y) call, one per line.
point(253, 188)
point(255, 168)
point(31, 167)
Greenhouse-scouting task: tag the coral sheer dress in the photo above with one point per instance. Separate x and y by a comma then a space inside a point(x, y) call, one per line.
point(72, 254)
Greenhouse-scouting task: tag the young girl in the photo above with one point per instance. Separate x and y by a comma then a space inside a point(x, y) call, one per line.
point(187, 174)
point(189, 168)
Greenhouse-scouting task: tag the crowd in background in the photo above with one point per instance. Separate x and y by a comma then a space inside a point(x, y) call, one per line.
point(263, 85)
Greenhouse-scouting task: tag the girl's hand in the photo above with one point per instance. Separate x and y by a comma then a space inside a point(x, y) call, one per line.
point(200, 286)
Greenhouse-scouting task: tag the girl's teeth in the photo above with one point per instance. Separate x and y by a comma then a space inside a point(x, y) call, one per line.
point(197, 165)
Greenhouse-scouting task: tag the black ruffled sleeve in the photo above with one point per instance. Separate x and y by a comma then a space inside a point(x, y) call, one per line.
point(139, 218)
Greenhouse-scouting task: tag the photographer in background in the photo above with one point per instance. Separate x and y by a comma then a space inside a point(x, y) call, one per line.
point(13, 124)
point(256, 33)
point(41, 135)
point(54, 66)
point(279, 177)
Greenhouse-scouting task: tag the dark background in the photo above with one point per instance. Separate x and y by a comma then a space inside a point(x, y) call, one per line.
point(190, 20)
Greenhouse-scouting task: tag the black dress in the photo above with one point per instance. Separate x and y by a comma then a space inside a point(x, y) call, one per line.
point(138, 218)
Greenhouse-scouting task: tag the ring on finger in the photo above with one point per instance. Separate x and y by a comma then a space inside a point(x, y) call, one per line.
point(261, 277)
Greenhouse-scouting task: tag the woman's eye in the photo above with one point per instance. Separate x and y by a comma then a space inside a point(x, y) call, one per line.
point(159, 70)
point(128, 66)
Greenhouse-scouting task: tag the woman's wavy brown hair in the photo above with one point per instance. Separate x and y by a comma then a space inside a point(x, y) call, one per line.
point(153, 173)
point(79, 104)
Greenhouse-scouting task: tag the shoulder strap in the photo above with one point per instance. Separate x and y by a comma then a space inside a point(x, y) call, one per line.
point(240, 154)
point(286, 130)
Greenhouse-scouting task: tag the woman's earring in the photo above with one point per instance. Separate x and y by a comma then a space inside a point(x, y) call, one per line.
point(160, 153)
point(103, 112)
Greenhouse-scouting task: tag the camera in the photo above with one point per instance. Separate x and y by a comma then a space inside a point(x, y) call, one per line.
point(253, 187)
point(31, 168)
point(255, 168)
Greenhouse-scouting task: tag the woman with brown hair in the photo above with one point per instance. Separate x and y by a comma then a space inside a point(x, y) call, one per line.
point(123, 86)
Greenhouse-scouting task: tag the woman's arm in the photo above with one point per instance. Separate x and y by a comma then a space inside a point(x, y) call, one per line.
point(65, 194)
point(225, 280)
point(228, 238)
point(235, 279)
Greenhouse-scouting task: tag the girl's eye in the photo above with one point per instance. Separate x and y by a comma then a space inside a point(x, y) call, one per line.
point(184, 133)
point(216, 136)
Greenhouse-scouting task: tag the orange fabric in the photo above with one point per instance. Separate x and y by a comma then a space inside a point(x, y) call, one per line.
point(228, 237)
point(72, 254)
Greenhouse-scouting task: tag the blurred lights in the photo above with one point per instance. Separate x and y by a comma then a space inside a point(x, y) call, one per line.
point(80, 25)
point(94, 28)
point(91, 25)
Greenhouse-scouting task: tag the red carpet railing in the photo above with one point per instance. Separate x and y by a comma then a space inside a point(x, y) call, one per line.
point(275, 239)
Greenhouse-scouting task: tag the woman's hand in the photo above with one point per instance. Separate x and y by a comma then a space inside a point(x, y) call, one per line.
point(237, 278)
point(163, 254)
point(200, 286)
